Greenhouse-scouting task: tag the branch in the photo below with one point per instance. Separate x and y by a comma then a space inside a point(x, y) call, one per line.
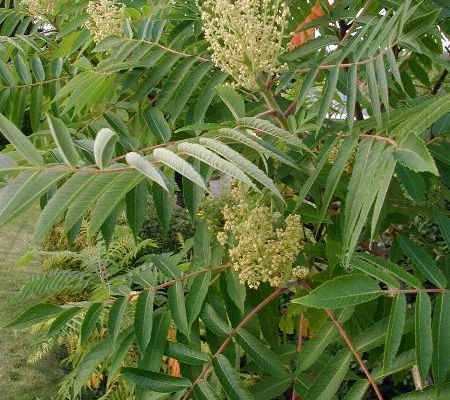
point(355, 22)
point(439, 82)
point(181, 278)
point(228, 339)
point(349, 344)
point(355, 353)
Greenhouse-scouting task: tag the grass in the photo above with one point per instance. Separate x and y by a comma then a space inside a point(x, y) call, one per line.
point(18, 379)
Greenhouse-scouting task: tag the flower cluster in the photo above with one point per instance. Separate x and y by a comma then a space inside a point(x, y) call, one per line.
point(245, 36)
point(260, 250)
point(38, 8)
point(106, 19)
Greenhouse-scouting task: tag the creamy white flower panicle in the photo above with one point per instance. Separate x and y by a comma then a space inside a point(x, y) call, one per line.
point(260, 251)
point(38, 8)
point(245, 36)
point(106, 19)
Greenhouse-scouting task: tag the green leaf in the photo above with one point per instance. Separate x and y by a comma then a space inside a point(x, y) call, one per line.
point(382, 82)
point(336, 171)
point(307, 84)
point(146, 167)
point(115, 317)
point(192, 193)
point(163, 202)
point(90, 362)
point(202, 245)
point(63, 140)
point(187, 88)
point(423, 261)
point(394, 68)
point(207, 96)
point(423, 335)
point(330, 89)
point(62, 320)
point(174, 81)
point(214, 322)
point(6, 75)
point(315, 347)
point(204, 391)
point(23, 70)
point(107, 228)
point(177, 307)
point(322, 160)
point(208, 157)
point(86, 199)
point(157, 344)
point(143, 319)
point(357, 391)
point(179, 165)
point(263, 357)
point(419, 25)
point(36, 103)
point(352, 77)
point(34, 315)
point(119, 356)
point(271, 388)
point(233, 100)
point(37, 68)
point(186, 354)
point(59, 203)
point(20, 142)
point(235, 289)
point(444, 225)
point(196, 296)
point(157, 124)
point(395, 330)
point(330, 377)
point(374, 272)
point(229, 379)
point(136, 206)
point(441, 338)
point(104, 146)
point(272, 130)
point(156, 382)
point(110, 198)
point(311, 46)
point(166, 265)
point(413, 153)
point(429, 393)
point(341, 292)
point(90, 321)
point(373, 92)
point(424, 117)
point(392, 269)
point(413, 183)
point(236, 159)
point(23, 191)
point(257, 144)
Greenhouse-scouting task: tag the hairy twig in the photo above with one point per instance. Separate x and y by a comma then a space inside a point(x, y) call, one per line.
point(228, 339)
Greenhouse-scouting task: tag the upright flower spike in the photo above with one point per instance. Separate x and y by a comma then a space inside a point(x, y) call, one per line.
point(106, 19)
point(245, 37)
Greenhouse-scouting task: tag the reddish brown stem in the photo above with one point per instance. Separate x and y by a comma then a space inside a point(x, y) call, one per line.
point(349, 344)
point(228, 339)
point(355, 353)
